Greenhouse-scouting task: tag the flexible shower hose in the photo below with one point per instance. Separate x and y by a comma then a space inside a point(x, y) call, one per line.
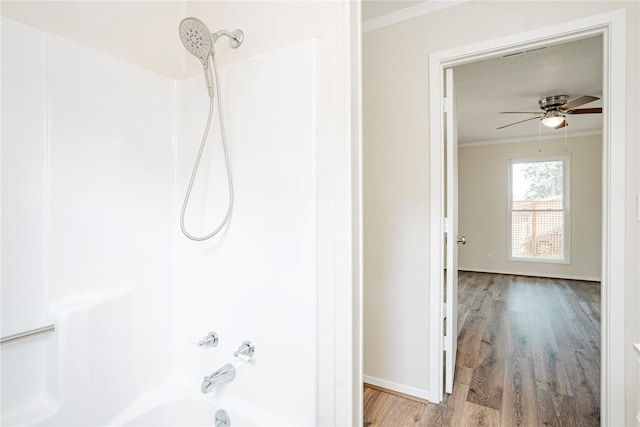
point(197, 163)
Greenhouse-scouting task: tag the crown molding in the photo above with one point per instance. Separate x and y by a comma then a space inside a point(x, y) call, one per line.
point(416, 11)
point(528, 139)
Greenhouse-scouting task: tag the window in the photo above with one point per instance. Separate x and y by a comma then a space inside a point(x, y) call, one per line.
point(538, 203)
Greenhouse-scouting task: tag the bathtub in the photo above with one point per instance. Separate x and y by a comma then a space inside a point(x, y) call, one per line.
point(176, 404)
point(181, 405)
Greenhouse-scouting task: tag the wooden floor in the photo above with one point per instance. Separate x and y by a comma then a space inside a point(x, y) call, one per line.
point(528, 355)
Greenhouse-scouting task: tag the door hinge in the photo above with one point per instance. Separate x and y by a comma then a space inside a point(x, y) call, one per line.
point(446, 105)
point(444, 343)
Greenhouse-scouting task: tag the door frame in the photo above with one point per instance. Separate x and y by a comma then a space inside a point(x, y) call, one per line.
point(612, 27)
point(450, 280)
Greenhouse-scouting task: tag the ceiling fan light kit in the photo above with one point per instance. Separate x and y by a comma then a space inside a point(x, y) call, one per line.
point(554, 108)
point(553, 119)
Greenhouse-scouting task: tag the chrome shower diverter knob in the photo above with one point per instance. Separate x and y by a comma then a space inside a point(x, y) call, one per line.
point(210, 340)
point(246, 349)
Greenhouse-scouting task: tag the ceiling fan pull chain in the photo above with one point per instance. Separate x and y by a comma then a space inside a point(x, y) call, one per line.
point(539, 137)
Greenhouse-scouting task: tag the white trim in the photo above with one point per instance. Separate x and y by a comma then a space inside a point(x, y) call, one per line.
point(339, 178)
point(539, 260)
point(529, 139)
point(520, 272)
point(613, 220)
point(612, 26)
point(357, 217)
point(412, 12)
point(400, 388)
point(436, 244)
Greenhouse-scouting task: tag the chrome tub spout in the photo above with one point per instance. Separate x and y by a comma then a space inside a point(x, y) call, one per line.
point(222, 375)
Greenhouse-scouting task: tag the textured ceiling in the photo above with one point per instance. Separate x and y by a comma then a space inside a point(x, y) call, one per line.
point(515, 83)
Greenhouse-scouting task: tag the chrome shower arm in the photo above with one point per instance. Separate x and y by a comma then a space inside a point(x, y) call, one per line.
point(236, 37)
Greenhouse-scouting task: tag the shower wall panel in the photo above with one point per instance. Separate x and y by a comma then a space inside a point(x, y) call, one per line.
point(24, 255)
point(257, 280)
point(87, 193)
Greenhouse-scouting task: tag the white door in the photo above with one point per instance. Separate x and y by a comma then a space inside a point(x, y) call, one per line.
point(451, 230)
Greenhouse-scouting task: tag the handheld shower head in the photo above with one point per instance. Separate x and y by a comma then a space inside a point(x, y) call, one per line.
point(196, 38)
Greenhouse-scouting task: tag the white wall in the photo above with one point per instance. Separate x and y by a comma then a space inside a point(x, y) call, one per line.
point(483, 173)
point(86, 225)
point(396, 178)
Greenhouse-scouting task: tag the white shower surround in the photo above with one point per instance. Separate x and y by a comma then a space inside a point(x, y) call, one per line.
point(257, 280)
point(86, 204)
point(96, 153)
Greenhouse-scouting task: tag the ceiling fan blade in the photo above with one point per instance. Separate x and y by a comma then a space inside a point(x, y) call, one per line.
point(597, 110)
point(577, 102)
point(521, 121)
point(561, 125)
point(520, 112)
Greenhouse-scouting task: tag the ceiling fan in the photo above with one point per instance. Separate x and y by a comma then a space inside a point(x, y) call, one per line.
point(554, 108)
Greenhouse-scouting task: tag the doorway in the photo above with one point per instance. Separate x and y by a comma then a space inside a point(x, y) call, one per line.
point(611, 28)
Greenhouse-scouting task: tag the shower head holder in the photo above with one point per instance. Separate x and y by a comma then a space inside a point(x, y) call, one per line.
point(235, 38)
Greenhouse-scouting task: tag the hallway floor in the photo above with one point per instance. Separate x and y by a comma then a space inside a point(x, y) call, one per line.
point(528, 355)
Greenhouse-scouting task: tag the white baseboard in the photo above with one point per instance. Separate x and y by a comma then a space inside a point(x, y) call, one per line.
point(536, 274)
point(400, 388)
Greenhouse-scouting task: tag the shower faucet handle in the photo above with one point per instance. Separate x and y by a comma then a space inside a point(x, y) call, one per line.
point(246, 349)
point(209, 340)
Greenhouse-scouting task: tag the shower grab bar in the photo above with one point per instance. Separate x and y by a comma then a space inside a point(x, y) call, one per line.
point(27, 334)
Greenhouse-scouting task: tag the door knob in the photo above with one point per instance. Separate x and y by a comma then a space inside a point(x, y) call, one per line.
point(462, 240)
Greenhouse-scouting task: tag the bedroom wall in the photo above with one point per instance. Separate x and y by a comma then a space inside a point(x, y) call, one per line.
point(483, 174)
point(396, 173)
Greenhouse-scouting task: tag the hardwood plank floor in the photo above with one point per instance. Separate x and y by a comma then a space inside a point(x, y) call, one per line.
point(528, 355)
point(488, 373)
